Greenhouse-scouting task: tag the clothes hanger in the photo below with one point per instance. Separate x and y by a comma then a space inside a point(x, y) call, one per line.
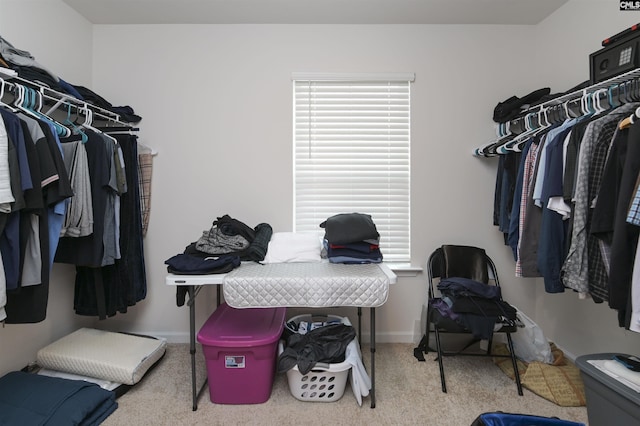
point(565, 106)
point(523, 127)
point(598, 108)
point(630, 88)
point(531, 129)
point(512, 129)
point(153, 152)
point(88, 124)
point(588, 103)
point(574, 107)
point(2, 103)
point(75, 129)
point(625, 92)
point(626, 122)
point(534, 128)
point(554, 115)
point(481, 151)
point(21, 101)
point(88, 114)
point(559, 114)
point(614, 99)
point(635, 90)
point(503, 130)
point(61, 129)
point(33, 103)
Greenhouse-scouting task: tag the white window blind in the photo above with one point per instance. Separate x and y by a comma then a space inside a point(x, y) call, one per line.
point(352, 154)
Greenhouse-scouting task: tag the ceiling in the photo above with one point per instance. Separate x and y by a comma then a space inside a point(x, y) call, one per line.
point(517, 12)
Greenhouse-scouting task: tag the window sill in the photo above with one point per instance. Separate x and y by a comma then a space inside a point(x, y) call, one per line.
point(404, 269)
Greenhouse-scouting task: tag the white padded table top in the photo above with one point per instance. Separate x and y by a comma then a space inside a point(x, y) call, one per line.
point(313, 285)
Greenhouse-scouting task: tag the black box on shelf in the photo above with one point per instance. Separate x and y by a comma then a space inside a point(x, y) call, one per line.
point(620, 55)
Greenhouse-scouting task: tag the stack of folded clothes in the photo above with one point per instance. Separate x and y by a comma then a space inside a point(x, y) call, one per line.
point(351, 238)
point(231, 237)
point(220, 249)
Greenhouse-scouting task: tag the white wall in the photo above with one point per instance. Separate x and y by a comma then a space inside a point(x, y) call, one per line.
point(216, 105)
point(216, 102)
point(61, 40)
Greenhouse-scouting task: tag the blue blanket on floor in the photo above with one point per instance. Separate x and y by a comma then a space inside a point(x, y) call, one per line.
point(32, 399)
point(507, 419)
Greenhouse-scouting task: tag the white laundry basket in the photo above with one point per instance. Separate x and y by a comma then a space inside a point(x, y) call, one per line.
point(325, 382)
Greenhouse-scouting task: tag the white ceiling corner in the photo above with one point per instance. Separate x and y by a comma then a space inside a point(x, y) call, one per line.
point(499, 12)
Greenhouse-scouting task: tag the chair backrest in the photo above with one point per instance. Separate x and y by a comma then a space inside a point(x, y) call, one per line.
point(461, 261)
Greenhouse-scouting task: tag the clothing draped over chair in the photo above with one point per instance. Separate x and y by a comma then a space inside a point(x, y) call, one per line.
point(461, 300)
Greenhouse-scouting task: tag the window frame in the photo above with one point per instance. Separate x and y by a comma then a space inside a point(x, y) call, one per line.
point(394, 224)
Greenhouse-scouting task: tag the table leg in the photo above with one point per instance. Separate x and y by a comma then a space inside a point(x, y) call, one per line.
point(359, 326)
point(373, 357)
point(195, 393)
point(192, 344)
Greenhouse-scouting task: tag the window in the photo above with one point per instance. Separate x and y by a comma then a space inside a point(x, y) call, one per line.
point(351, 153)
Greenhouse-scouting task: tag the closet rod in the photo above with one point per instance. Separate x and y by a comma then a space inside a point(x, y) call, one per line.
point(14, 76)
point(580, 92)
point(62, 98)
point(567, 97)
point(96, 115)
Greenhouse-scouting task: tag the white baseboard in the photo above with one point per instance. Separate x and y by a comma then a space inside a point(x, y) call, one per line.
point(567, 354)
point(389, 337)
point(386, 337)
point(170, 336)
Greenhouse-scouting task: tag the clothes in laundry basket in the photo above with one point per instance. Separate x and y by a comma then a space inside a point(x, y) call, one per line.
point(325, 344)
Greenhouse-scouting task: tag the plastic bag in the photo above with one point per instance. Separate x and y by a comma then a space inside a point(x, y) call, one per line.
point(529, 342)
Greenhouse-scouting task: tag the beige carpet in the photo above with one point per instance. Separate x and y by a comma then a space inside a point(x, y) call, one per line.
point(408, 393)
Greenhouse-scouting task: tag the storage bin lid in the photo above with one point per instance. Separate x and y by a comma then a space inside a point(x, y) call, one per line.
point(230, 327)
point(587, 368)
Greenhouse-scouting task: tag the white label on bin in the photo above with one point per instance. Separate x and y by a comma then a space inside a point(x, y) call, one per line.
point(232, 361)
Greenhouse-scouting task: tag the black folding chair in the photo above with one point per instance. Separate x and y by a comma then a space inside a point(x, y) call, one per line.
point(452, 262)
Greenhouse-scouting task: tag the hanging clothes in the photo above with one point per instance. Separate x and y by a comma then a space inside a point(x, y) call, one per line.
point(88, 251)
point(508, 167)
point(145, 170)
point(550, 253)
point(79, 216)
point(65, 200)
point(31, 225)
point(513, 233)
point(633, 218)
point(530, 215)
point(28, 238)
point(571, 218)
point(583, 269)
point(105, 291)
point(625, 236)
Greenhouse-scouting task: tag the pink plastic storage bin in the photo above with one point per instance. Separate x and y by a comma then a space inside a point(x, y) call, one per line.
point(240, 349)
